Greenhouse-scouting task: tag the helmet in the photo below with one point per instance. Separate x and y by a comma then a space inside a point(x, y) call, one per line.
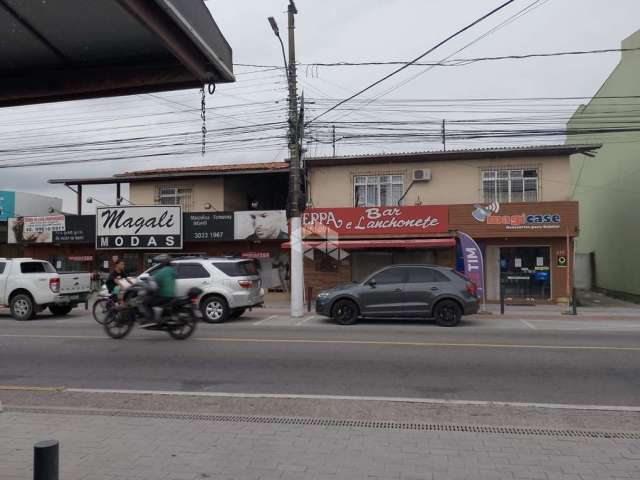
point(163, 259)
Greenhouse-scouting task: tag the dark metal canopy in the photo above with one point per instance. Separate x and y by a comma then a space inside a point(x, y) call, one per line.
point(70, 49)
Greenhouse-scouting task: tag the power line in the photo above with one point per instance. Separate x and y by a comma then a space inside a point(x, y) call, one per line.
point(420, 57)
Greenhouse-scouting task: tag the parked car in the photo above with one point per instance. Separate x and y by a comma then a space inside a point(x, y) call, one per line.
point(230, 285)
point(29, 286)
point(402, 291)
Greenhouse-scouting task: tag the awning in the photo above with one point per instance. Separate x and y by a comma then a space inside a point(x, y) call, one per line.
point(377, 243)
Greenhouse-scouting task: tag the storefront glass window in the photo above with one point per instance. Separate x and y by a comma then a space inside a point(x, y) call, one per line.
point(377, 190)
point(510, 185)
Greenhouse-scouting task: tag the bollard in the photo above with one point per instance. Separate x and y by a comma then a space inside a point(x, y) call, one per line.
point(501, 296)
point(574, 303)
point(45, 460)
point(309, 296)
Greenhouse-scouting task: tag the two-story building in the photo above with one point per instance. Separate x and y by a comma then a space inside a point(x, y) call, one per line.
point(368, 211)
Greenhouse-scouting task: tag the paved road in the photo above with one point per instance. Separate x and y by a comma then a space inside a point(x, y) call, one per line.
point(547, 361)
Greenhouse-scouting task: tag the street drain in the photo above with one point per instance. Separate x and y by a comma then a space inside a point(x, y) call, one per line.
point(321, 422)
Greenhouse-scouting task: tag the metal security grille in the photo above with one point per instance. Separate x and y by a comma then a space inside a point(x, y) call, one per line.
point(175, 195)
point(321, 422)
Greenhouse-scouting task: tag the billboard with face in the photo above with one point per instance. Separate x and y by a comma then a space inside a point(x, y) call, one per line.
point(260, 225)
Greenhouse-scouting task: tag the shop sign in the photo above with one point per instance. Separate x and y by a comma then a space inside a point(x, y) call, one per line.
point(34, 229)
point(490, 214)
point(256, 225)
point(208, 226)
point(81, 258)
point(7, 205)
point(79, 229)
point(139, 227)
point(425, 219)
point(258, 255)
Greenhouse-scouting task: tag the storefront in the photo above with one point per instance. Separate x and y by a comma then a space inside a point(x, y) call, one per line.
point(529, 244)
point(80, 243)
point(348, 244)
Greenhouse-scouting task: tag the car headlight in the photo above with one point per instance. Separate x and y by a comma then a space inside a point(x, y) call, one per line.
point(323, 295)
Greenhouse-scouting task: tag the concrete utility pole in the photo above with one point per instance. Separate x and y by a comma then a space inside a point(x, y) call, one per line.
point(295, 222)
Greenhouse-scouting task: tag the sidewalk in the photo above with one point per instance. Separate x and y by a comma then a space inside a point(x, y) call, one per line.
point(130, 446)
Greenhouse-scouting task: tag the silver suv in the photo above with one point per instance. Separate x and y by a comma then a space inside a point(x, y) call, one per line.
point(230, 285)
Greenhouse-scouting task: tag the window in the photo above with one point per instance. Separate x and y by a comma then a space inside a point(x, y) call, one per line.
point(377, 190)
point(175, 195)
point(36, 267)
point(2, 267)
point(191, 270)
point(513, 185)
point(425, 275)
point(391, 275)
point(237, 269)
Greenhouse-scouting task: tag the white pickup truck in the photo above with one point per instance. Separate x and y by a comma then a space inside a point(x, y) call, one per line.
point(28, 286)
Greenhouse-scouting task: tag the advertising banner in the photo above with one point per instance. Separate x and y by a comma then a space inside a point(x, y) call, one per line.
point(208, 226)
point(473, 261)
point(261, 225)
point(345, 222)
point(79, 229)
point(34, 229)
point(139, 227)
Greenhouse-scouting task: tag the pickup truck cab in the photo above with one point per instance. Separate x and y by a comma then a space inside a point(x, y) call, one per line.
point(29, 286)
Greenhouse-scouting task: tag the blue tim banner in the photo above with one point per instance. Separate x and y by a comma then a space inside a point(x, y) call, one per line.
point(473, 261)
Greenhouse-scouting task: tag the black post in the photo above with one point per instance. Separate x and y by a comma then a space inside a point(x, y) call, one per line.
point(574, 302)
point(309, 295)
point(45, 460)
point(501, 295)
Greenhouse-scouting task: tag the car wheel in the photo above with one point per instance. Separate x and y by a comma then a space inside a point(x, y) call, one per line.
point(345, 312)
point(22, 307)
point(60, 310)
point(237, 313)
point(215, 310)
point(448, 313)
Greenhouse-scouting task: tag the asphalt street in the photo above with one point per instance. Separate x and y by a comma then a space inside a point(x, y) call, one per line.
point(573, 361)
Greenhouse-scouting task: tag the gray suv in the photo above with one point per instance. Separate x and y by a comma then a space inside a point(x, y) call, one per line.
point(402, 291)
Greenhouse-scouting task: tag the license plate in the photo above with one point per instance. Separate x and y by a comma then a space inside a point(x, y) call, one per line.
point(73, 297)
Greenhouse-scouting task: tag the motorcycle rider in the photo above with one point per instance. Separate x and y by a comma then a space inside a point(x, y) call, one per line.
point(117, 274)
point(165, 279)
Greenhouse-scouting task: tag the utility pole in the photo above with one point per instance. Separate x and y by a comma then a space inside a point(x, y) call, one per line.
point(295, 222)
point(444, 136)
point(334, 140)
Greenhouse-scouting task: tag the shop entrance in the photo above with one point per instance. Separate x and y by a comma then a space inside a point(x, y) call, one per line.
point(365, 262)
point(528, 272)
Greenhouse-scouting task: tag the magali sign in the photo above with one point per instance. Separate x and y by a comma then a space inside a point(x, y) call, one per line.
point(134, 227)
point(378, 220)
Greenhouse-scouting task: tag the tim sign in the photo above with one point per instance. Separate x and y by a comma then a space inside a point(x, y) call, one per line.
point(378, 220)
point(133, 227)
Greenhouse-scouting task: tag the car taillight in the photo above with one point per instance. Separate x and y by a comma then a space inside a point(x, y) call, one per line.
point(54, 285)
point(472, 288)
point(245, 283)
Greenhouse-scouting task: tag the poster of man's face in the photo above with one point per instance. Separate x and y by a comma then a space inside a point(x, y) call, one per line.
point(261, 225)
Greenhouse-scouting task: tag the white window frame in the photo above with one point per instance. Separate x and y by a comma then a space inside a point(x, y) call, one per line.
point(513, 176)
point(377, 182)
point(180, 195)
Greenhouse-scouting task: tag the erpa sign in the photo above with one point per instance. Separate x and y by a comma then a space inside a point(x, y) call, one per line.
point(143, 228)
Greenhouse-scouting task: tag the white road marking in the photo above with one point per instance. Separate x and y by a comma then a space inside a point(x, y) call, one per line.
point(528, 324)
point(260, 322)
point(306, 319)
point(433, 401)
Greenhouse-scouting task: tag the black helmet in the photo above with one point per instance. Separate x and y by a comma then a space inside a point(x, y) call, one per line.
point(163, 259)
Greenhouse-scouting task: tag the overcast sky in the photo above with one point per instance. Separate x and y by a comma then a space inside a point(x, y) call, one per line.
point(332, 31)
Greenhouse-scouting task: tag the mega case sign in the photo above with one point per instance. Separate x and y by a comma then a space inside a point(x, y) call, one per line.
point(139, 227)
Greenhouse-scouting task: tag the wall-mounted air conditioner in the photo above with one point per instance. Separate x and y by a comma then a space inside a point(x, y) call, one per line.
point(422, 175)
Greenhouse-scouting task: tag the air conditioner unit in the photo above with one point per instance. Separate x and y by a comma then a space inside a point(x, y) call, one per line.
point(422, 175)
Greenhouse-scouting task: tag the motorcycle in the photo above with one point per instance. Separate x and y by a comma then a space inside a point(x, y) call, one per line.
point(178, 318)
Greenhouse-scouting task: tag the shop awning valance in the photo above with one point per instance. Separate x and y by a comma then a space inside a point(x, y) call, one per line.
point(378, 243)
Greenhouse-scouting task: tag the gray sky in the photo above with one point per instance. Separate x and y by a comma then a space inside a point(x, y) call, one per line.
point(332, 31)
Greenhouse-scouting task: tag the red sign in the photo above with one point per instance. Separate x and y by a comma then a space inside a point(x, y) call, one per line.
point(343, 222)
point(256, 255)
point(81, 258)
